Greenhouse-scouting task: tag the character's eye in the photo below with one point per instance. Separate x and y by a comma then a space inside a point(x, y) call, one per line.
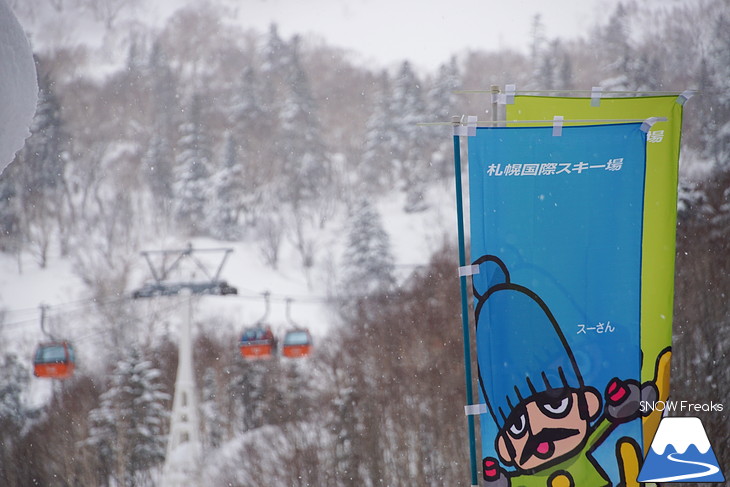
point(558, 407)
point(518, 426)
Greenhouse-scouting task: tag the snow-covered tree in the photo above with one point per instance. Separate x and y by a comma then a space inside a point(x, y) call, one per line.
point(413, 145)
point(157, 163)
point(368, 262)
point(10, 236)
point(250, 125)
point(377, 171)
point(128, 428)
point(213, 419)
point(42, 165)
point(13, 413)
point(229, 194)
point(614, 51)
point(441, 102)
point(553, 70)
point(192, 182)
point(276, 59)
point(246, 391)
point(306, 167)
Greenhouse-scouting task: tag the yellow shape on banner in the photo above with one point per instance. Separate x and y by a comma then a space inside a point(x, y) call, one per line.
point(660, 209)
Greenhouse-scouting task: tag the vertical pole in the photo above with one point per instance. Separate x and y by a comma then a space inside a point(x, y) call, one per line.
point(43, 321)
point(495, 103)
point(464, 308)
point(184, 451)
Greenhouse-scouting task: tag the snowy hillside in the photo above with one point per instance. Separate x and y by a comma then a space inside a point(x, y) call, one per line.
point(24, 287)
point(159, 127)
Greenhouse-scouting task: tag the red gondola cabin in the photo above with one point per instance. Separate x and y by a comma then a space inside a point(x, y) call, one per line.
point(257, 343)
point(54, 360)
point(297, 344)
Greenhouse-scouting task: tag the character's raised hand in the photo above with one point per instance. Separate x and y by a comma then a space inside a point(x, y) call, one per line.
point(623, 398)
point(494, 475)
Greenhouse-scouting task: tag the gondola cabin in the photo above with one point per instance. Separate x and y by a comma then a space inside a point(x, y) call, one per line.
point(297, 344)
point(54, 360)
point(257, 343)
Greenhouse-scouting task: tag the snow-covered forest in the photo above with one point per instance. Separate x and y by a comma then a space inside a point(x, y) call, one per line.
point(313, 167)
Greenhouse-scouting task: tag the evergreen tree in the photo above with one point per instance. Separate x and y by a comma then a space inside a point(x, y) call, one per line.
point(413, 146)
point(43, 154)
point(613, 46)
point(368, 261)
point(213, 419)
point(192, 182)
point(128, 427)
point(41, 173)
point(13, 413)
point(157, 162)
point(160, 158)
point(229, 194)
point(553, 70)
point(251, 125)
point(398, 151)
point(376, 172)
point(274, 71)
point(10, 235)
point(306, 166)
point(441, 102)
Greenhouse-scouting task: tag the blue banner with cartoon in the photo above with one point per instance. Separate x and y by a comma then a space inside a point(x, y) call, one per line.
point(556, 233)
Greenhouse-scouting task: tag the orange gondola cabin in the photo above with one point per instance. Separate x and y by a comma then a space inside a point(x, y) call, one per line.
point(257, 343)
point(54, 360)
point(297, 344)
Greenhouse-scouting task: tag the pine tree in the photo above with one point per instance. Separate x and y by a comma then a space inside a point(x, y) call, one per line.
point(368, 261)
point(441, 102)
point(41, 175)
point(158, 159)
point(213, 419)
point(376, 172)
point(553, 70)
point(614, 47)
point(13, 413)
point(413, 146)
point(306, 165)
point(192, 182)
point(251, 124)
point(157, 163)
point(274, 71)
point(229, 193)
point(10, 235)
point(128, 426)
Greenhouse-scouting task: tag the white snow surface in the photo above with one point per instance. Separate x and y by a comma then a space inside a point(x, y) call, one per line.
point(18, 86)
point(680, 433)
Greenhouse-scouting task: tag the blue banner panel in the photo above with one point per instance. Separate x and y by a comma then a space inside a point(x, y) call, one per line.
point(556, 230)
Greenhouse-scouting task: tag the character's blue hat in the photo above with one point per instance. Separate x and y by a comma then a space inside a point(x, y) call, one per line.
point(521, 349)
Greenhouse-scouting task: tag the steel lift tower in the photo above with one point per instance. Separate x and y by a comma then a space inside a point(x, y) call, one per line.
point(182, 461)
point(184, 450)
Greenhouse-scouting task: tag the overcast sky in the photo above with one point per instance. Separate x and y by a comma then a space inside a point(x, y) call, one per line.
point(425, 31)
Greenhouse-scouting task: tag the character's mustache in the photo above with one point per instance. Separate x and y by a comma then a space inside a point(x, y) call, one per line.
point(547, 435)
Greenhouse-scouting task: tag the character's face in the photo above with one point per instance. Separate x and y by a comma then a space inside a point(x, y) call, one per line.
point(547, 426)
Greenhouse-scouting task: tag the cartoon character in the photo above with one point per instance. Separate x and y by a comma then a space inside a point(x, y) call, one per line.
point(549, 421)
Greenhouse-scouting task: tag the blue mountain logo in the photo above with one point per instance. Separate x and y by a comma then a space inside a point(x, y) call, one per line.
point(681, 452)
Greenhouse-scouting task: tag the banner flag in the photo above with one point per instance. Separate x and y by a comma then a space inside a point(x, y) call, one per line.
point(556, 233)
point(660, 212)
